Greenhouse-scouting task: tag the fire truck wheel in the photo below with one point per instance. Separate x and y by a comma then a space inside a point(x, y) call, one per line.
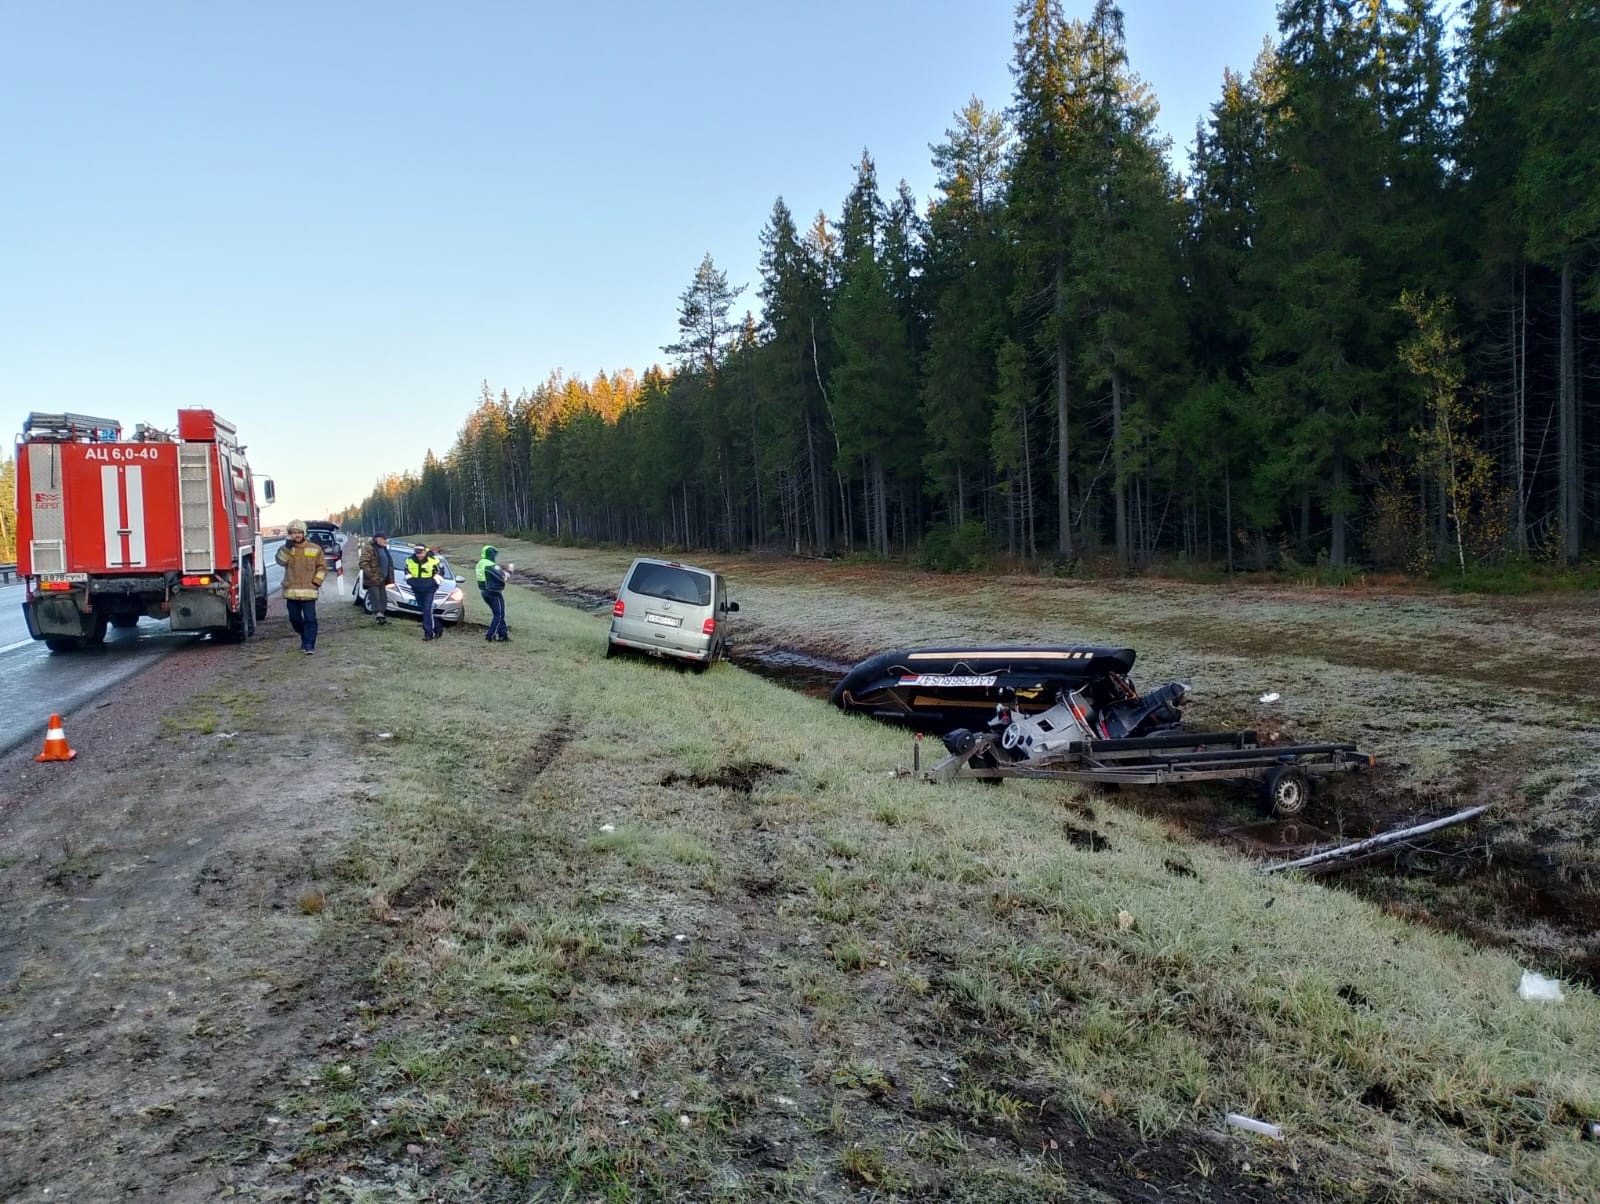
point(123, 622)
point(261, 599)
point(243, 622)
point(68, 643)
point(98, 634)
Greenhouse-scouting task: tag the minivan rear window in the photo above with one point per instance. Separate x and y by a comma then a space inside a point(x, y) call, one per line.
point(672, 583)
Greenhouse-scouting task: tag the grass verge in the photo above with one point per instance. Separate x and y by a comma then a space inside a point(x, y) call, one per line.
point(648, 935)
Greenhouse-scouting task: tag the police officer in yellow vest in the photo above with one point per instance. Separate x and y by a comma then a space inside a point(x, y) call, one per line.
point(304, 567)
point(422, 575)
point(492, 589)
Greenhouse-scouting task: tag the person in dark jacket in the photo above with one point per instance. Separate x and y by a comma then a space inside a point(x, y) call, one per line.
point(377, 571)
point(422, 575)
point(492, 588)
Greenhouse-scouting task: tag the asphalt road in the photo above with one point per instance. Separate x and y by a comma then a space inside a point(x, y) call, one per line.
point(37, 683)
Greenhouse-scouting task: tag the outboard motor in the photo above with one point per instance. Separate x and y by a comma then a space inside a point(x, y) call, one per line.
point(1155, 712)
point(1070, 721)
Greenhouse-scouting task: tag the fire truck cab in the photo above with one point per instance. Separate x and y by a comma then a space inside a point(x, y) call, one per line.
point(110, 529)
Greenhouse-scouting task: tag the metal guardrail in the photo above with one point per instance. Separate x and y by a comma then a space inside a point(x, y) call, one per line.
point(8, 573)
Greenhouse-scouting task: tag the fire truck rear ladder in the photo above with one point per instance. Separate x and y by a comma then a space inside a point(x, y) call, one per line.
point(194, 500)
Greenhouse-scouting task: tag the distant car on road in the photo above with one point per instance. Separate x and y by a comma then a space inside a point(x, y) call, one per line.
point(449, 604)
point(669, 609)
point(326, 536)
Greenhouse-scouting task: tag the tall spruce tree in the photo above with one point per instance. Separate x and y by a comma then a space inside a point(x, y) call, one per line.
point(1046, 116)
point(873, 387)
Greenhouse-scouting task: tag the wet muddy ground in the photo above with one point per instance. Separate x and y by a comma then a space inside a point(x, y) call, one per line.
point(1480, 881)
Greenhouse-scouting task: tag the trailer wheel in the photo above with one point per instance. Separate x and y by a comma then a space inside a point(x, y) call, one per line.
point(1287, 791)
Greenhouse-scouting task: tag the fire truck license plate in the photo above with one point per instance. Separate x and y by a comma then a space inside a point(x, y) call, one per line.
point(74, 578)
point(664, 620)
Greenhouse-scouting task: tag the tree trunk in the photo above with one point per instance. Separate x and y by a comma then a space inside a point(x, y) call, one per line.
point(1304, 541)
point(880, 487)
point(1063, 439)
point(1519, 410)
point(1227, 513)
point(1336, 553)
point(1030, 546)
point(819, 495)
point(1119, 485)
point(1570, 483)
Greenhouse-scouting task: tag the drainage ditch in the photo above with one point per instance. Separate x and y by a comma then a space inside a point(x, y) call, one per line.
point(1495, 894)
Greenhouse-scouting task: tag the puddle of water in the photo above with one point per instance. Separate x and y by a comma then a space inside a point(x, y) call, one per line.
point(1279, 836)
point(812, 675)
point(560, 591)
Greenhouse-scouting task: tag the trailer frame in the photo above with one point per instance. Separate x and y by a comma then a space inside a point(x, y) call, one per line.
point(1284, 771)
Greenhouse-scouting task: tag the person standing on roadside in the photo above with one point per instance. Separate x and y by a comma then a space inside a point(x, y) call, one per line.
point(422, 575)
point(304, 566)
point(377, 571)
point(492, 588)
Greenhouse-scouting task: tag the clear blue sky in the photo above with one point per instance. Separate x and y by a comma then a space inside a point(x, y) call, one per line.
point(331, 221)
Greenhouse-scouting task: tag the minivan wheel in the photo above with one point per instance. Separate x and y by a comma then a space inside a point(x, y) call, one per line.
point(612, 651)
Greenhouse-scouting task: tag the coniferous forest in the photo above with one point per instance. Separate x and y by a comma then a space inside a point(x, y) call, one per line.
point(1362, 326)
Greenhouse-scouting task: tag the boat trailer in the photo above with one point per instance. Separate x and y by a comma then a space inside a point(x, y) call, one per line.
point(1284, 772)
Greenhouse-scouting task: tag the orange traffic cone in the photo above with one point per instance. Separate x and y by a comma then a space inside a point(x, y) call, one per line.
point(56, 747)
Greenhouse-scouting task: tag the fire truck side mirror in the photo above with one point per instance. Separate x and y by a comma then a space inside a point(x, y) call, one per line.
point(269, 491)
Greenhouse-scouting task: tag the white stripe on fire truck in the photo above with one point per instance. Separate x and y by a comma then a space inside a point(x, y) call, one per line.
point(111, 510)
point(133, 474)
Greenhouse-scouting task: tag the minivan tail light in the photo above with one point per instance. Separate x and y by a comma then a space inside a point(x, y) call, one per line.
point(708, 626)
point(617, 608)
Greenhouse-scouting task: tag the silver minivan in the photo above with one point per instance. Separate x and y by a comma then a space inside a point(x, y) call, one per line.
point(665, 608)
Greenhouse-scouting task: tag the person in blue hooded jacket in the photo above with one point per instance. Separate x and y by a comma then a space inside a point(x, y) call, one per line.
point(492, 588)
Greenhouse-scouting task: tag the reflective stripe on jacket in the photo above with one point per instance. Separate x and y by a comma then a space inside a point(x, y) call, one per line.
point(304, 567)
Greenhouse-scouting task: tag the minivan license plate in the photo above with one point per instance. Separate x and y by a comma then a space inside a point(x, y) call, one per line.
point(664, 620)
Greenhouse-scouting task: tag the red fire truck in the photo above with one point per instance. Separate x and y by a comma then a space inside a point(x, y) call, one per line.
point(112, 529)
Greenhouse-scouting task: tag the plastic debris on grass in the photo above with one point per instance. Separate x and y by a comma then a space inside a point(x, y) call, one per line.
point(1536, 988)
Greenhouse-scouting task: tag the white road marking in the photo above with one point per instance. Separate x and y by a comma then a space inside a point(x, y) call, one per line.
point(18, 644)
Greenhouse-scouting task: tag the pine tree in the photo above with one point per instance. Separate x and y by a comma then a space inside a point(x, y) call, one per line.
point(703, 325)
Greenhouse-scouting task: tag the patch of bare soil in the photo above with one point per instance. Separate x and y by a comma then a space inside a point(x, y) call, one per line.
point(741, 777)
point(159, 963)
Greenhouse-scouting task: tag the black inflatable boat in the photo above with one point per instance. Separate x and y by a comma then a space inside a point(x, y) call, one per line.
point(936, 689)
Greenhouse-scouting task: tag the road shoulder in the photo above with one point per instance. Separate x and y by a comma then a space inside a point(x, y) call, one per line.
point(162, 960)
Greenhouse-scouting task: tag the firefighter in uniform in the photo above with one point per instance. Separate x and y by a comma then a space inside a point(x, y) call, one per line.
point(422, 575)
point(377, 571)
point(492, 589)
point(304, 567)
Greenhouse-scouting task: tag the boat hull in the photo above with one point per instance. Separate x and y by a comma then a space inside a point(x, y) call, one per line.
point(937, 689)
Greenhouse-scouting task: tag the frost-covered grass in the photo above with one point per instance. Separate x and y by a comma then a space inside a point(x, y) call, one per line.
point(599, 979)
